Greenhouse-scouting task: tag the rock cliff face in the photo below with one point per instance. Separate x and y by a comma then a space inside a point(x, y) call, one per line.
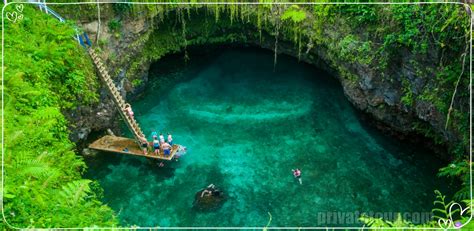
point(381, 98)
point(401, 95)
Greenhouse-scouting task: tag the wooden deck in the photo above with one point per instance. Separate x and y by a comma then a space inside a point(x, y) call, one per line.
point(128, 146)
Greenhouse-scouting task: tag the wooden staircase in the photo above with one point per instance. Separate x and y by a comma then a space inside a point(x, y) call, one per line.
point(111, 143)
point(117, 98)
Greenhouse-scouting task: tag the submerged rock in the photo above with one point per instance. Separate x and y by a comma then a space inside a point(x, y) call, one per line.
point(89, 152)
point(208, 199)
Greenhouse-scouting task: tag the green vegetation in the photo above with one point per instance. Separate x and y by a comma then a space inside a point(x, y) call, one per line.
point(137, 82)
point(42, 172)
point(458, 169)
point(445, 214)
point(380, 223)
point(46, 72)
point(121, 8)
point(114, 25)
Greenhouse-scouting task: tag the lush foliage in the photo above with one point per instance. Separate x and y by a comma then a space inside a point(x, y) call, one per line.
point(121, 8)
point(380, 223)
point(46, 72)
point(455, 170)
point(114, 25)
point(294, 14)
point(55, 75)
point(445, 214)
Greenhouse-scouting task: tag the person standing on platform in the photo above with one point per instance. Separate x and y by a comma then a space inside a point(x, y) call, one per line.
point(156, 145)
point(162, 138)
point(166, 148)
point(170, 139)
point(144, 145)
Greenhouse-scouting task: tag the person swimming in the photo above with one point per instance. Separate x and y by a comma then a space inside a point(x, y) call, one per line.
point(297, 174)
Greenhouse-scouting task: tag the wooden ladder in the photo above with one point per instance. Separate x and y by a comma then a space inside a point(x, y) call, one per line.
point(117, 98)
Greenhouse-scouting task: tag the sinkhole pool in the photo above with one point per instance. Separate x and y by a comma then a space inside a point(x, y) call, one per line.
point(245, 127)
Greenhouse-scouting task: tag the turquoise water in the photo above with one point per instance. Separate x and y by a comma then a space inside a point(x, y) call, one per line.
point(246, 127)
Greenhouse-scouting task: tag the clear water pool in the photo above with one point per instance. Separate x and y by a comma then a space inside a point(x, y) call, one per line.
point(245, 127)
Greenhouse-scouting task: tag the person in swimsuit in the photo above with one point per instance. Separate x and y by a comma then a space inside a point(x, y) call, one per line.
point(162, 138)
point(144, 144)
point(297, 174)
point(156, 145)
point(170, 139)
point(206, 192)
point(166, 148)
point(210, 191)
point(128, 110)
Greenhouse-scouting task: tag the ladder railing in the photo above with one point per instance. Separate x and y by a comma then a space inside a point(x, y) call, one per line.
point(117, 98)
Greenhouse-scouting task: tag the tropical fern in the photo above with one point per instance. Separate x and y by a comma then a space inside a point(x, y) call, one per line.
point(443, 212)
point(294, 13)
point(373, 222)
point(381, 223)
point(459, 169)
point(454, 169)
point(75, 191)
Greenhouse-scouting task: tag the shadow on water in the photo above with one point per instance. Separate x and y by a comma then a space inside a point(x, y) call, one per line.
point(246, 127)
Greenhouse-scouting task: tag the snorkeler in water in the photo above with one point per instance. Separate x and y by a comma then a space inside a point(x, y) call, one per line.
point(297, 174)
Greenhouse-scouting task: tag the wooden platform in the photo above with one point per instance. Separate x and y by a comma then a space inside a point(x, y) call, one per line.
point(128, 146)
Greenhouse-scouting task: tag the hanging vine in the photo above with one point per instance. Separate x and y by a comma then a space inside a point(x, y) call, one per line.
point(242, 13)
point(233, 10)
point(183, 33)
point(259, 23)
point(456, 87)
point(295, 17)
point(277, 33)
point(216, 12)
point(299, 46)
point(463, 57)
point(188, 10)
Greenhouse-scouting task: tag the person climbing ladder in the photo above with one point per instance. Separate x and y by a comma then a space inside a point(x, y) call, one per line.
point(128, 110)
